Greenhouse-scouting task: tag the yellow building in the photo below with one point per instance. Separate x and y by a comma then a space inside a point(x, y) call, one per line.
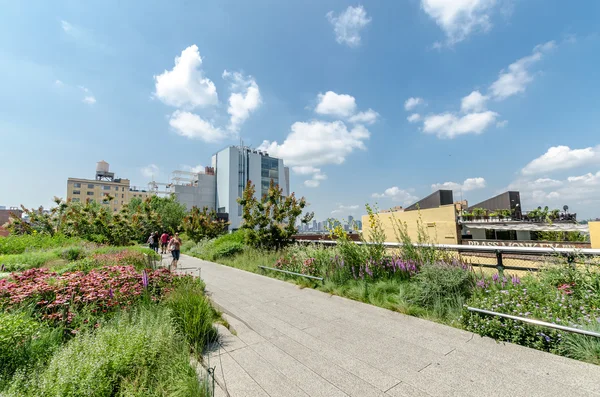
point(439, 224)
point(105, 185)
point(595, 234)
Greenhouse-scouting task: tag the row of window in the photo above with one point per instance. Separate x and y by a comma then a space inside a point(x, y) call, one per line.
point(104, 187)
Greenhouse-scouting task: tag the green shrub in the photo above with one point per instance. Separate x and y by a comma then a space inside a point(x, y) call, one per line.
point(73, 253)
point(224, 246)
point(28, 260)
point(14, 244)
point(443, 287)
point(533, 297)
point(24, 342)
point(192, 312)
point(582, 347)
point(136, 354)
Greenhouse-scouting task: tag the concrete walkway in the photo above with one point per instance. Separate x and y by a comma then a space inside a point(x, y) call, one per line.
point(301, 342)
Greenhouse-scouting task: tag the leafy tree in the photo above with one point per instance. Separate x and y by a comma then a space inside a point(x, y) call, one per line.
point(203, 224)
point(271, 221)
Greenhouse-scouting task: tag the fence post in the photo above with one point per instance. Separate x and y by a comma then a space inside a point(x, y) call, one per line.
point(499, 265)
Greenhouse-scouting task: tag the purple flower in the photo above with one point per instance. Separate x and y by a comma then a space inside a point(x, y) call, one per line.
point(515, 280)
point(3, 267)
point(495, 277)
point(110, 293)
point(145, 279)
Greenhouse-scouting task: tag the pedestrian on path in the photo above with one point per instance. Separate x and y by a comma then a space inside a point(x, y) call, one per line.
point(151, 241)
point(156, 240)
point(175, 248)
point(164, 242)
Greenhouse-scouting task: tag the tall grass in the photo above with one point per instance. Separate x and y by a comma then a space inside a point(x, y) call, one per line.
point(13, 244)
point(138, 353)
point(192, 313)
point(581, 347)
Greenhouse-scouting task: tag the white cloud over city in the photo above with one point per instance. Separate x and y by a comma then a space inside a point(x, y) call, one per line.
point(347, 25)
point(460, 18)
point(562, 158)
point(474, 116)
point(345, 209)
point(150, 171)
point(186, 88)
point(245, 98)
point(406, 197)
point(468, 185)
point(185, 85)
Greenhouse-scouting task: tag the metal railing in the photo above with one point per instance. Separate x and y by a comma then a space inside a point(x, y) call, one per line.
point(500, 258)
point(535, 322)
point(291, 273)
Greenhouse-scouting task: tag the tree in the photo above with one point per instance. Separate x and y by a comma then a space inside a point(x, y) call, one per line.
point(271, 221)
point(203, 224)
point(169, 211)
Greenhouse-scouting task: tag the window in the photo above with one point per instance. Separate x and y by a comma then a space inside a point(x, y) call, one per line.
point(123, 189)
point(116, 188)
point(76, 191)
point(105, 201)
point(75, 200)
point(221, 210)
point(106, 187)
point(90, 186)
point(122, 196)
point(114, 209)
point(90, 193)
point(77, 184)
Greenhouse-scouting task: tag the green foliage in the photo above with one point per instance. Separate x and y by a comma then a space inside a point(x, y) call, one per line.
point(479, 212)
point(271, 221)
point(199, 225)
point(29, 260)
point(560, 294)
point(138, 353)
point(192, 313)
point(23, 343)
point(73, 253)
point(443, 287)
point(224, 246)
point(582, 347)
point(17, 244)
point(170, 212)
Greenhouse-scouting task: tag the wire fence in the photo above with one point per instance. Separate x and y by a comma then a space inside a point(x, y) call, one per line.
point(488, 259)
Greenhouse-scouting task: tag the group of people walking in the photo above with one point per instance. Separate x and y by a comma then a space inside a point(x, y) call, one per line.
point(167, 244)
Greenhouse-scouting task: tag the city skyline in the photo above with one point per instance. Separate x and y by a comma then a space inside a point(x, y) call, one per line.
point(365, 103)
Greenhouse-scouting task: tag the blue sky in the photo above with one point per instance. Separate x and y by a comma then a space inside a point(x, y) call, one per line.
point(368, 102)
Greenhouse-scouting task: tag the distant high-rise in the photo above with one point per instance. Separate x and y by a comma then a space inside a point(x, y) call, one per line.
point(235, 166)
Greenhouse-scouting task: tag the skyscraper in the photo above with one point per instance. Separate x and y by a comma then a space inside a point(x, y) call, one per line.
point(235, 166)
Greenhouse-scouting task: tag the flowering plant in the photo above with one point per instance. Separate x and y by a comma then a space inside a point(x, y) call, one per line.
point(76, 298)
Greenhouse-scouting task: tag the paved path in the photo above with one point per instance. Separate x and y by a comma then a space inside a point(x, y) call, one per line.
point(301, 342)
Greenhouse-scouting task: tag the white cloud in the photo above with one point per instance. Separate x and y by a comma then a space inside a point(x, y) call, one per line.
point(368, 117)
point(467, 185)
point(412, 103)
point(561, 158)
point(66, 26)
point(89, 99)
point(413, 118)
point(448, 125)
point(317, 143)
point(537, 184)
point(150, 171)
point(502, 124)
point(348, 25)
point(397, 194)
point(305, 170)
point(341, 105)
point(474, 102)
point(459, 18)
point(311, 183)
point(244, 99)
point(192, 126)
point(58, 83)
point(196, 169)
point(185, 85)
point(580, 193)
point(517, 77)
point(345, 209)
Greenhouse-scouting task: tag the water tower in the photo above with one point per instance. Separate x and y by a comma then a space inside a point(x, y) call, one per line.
point(102, 172)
